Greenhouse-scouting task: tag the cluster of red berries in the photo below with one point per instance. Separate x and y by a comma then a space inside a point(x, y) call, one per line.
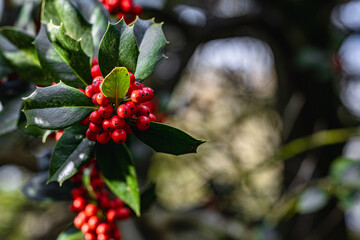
point(110, 121)
point(122, 9)
point(97, 217)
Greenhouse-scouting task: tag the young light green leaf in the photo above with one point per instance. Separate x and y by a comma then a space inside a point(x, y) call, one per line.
point(71, 153)
point(54, 67)
point(71, 52)
point(118, 48)
point(56, 107)
point(63, 12)
point(167, 139)
point(116, 84)
point(117, 166)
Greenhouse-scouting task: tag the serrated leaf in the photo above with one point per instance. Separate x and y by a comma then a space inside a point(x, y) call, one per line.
point(71, 52)
point(71, 153)
point(117, 167)
point(167, 139)
point(118, 48)
point(116, 84)
point(71, 233)
point(18, 53)
point(151, 43)
point(56, 107)
point(36, 189)
point(54, 67)
point(63, 12)
point(138, 47)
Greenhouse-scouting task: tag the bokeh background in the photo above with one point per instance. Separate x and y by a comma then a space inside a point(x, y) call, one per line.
point(275, 88)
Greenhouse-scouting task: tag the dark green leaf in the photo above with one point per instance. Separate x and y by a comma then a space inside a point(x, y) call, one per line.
point(36, 189)
point(56, 107)
point(18, 53)
point(71, 233)
point(167, 139)
point(312, 200)
point(117, 166)
point(54, 67)
point(116, 84)
point(71, 52)
point(118, 48)
point(26, 19)
point(148, 196)
point(63, 12)
point(9, 115)
point(71, 153)
point(151, 42)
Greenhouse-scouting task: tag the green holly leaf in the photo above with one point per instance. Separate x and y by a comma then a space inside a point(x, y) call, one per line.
point(9, 115)
point(71, 153)
point(117, 167)
point(56, 107)
point(118, 48)
point(62, 12)
point(54, 67)
point(18, 53)
point(116, 84)
point(71, 52)
point(167, 139)
point(138, 47)
point(71, 233)
point(151, 43)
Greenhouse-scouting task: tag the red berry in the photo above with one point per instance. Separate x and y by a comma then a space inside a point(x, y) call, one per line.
point(117, 122)
point(97, 183)
point(95, 118)
point(95, 128)
point(93, 222)
point(103, 237)
point(105, 111)
point(85, 228)
point(82, 216)
point(119, 136)
point(94, 99)
point(102, 100)
point(106, 124)
point(90, 236)
point(138, 96)
point(79, 203)
point(117, 235)
point(152, 117)
point(82, 90)
point(132, 78)
point(78, 222)
point(98, 78)
point(90, 135)
point(127, 129)
point(95, 71)
point(96, 86)
point(103, 137)
point(118, 202)
point(126, 5)
point(143, 123)
point(78, 192)
point(95, 61)
point(134, 86)
point(123, 111)
point(136, 10)
point(111, 215)
point(143, 111)
point(149, 93)
point(123, 213)
point(85, 122)
point(91, 210)
point(104, 202)
point(89, 91)
point(132, 106)
point(103, 228)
